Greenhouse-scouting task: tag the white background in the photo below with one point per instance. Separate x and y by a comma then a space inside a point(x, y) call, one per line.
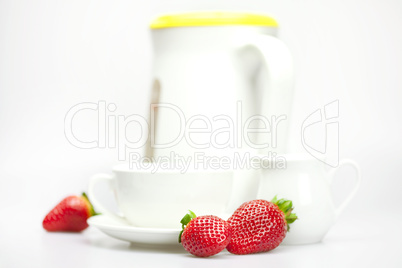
point(55, 54)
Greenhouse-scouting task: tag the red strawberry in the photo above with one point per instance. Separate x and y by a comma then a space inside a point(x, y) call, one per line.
point(70, 215)
point(204, 236)
point(260, 225)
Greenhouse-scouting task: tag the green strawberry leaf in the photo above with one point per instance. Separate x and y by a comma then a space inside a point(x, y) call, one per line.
point(92, 212)
point(186, 220)
point(287, 207)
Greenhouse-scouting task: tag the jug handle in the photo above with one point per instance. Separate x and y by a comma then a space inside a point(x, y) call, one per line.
point(276, 99)
point(332, 173)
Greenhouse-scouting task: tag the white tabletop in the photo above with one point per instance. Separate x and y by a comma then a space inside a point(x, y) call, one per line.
point(358, 241)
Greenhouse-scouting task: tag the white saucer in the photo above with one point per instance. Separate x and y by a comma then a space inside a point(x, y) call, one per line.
point(120, 229)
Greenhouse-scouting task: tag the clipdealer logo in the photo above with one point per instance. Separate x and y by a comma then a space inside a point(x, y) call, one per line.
point(320, 134)
point(112, 129)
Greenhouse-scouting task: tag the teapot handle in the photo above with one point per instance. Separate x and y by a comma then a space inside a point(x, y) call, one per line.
point(352, 163)
point(279, 78)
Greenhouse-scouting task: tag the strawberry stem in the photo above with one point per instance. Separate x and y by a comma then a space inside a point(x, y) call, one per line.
point(91, 208)
point(287, 207)
point(186, 220)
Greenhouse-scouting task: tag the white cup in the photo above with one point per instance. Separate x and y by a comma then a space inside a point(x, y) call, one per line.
point(161, 199)
point(306, 181)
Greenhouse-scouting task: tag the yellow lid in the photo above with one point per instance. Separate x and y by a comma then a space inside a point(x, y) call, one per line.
point(212, 19)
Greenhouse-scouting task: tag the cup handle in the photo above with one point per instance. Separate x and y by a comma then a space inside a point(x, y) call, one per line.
point(91, 194)
point(352, 163)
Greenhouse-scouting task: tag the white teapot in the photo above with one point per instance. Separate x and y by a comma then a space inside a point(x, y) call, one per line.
point(305, 180)
point(208, 67)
